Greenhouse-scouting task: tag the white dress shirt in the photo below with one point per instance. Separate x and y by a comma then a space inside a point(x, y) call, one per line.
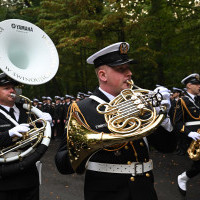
point(16, 111)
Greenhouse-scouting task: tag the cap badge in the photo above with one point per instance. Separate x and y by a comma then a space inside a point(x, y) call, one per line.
point(197, 77)
point(123, 48)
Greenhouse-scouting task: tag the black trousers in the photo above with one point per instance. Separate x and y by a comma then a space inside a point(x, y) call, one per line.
point(22, 194)
point(108, 186)
point(194, 170)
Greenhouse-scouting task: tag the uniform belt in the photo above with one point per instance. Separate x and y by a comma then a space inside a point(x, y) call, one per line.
point(193, 123)
point(135, 168)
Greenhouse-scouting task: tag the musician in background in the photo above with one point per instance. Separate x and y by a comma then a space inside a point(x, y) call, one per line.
point(187, 122)
point(44, 102)
point(106, 171)
point(50, 109)
point(66, 106)
point(58, 118)
point(24, 183)
point(182, 142)
point(35, 102)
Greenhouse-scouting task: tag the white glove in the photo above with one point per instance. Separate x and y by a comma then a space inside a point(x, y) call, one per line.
point(194, 135)
point(46, 117)
point(17, 130)
point(166, 103)
point(167, 125)
point(161, 89)
point(166, 98)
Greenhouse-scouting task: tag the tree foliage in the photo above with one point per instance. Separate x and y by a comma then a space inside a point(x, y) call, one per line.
point(163, 36)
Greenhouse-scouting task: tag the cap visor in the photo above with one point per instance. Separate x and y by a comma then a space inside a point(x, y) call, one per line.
point(122, 62)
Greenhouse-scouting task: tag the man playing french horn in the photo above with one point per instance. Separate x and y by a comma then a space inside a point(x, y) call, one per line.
point(120, 168)
point(21, 180)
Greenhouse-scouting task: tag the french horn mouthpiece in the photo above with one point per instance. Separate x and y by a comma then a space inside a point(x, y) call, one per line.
point(130, 82)
point(13, 95)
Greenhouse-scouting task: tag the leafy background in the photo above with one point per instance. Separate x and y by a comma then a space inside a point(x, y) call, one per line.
point(163, 36)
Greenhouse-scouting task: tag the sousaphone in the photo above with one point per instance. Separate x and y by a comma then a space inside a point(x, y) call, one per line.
point(27, 55)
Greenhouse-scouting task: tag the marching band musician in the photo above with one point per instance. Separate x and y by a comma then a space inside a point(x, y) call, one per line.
point(48, 108)
point(24, 184)
point(58, 118)
point(66, 106)
point(44, 102)
point(103, 179)
point(35, 102)
point(187, 122)
point(181, 140)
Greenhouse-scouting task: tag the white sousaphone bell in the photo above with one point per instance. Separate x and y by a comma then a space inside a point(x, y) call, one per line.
point(28, 56)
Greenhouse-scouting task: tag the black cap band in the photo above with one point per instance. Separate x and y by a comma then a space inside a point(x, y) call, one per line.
point(6, 80)
point(192, 80)
point(112, 59)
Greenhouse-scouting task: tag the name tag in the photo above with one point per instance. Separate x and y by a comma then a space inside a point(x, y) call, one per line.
point(100, 126)
point(5, 125)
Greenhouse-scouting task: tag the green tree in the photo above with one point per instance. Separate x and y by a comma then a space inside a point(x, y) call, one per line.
point(163, 36)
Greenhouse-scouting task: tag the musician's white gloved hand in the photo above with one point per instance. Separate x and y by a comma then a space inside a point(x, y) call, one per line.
point(194, 135)
point(17, 130)
point(166, 97)
point(166, 123)
point(46, 117)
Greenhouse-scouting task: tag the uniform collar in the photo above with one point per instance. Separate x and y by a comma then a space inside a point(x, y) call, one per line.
point(8, 108)
point(109, 96)
point(191, 95)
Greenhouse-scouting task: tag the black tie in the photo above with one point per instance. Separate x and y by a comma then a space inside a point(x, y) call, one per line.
point(11, 112)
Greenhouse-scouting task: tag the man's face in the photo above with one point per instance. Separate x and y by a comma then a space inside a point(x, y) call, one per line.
point(35, 103)
point(5, 95)
point(116, 78)
point(67, 100)
point(194, 88)
point(58, 101)
point(176, 94)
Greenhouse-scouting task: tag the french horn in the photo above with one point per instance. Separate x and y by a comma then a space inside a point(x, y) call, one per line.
point(129, 116)
point(28, 56)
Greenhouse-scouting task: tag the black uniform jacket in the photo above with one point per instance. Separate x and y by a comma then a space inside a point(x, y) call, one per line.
point(58, 112)
point(136, 151)
point(186, 111)
point(65, 110)
point(28, 177)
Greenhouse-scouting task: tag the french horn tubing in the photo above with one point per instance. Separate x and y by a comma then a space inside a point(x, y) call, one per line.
point(129, 116)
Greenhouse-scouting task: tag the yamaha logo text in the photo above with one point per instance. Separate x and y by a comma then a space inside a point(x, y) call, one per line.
point(22, 28)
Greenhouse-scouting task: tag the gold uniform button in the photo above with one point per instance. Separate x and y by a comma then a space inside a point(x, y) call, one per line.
point(147, 175)
point(132, 179)
point(129, 162)
point(126, 147)
point(141, 144)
